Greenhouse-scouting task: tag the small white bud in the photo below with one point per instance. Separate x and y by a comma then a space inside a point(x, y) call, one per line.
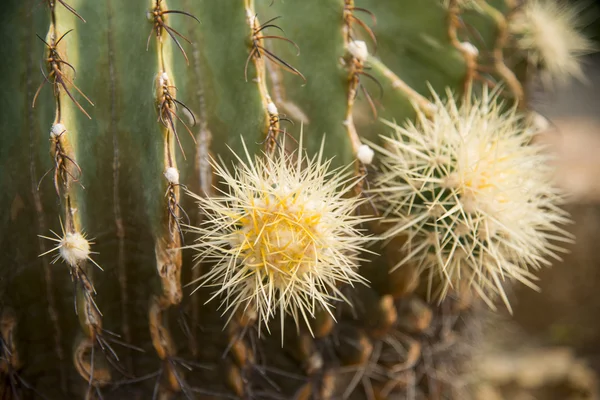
point(172, 175)
point(163, 79)
point(150, 15)
point(469, 48)
point(315, 362)
point(358, 49)
point(56, 130)
point(365, 154)
point(272, 108)
point(540, 123)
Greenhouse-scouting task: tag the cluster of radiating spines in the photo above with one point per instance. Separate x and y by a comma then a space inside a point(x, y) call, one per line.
point(71, 247)
point(473, 196)
point(548, 33)
point(168, 241)
point(282, 237)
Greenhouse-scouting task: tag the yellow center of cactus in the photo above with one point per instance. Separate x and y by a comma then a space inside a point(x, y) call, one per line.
point(280, 236)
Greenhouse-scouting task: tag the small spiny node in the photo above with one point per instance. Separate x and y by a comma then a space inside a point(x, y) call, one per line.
point(469, 180)
point(72, 247)
point(470, 49)
point(365, 154)
point(548, 33)
point(57, 130)
point(282, 238)
point(358, 49)
point(272, 108)
point(172, 175)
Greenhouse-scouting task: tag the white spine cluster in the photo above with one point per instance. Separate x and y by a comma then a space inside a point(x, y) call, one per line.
point(72, 248)
point(282, 238)
point(548, 33)
point(473, 195)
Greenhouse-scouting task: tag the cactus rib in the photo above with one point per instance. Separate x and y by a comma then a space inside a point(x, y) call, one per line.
point(258, 54)
point(203, 172)
point(168, 239)
point(120, 230)
point(73, 248)
point(53, 311)
point(54, 64)
point(355, 71)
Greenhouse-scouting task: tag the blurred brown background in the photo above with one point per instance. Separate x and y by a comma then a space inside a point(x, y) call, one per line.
point(550, 347)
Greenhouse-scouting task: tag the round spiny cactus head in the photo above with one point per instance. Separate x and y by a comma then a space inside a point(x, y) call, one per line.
point(548, 33)
point(282, 236)
point(473, 195)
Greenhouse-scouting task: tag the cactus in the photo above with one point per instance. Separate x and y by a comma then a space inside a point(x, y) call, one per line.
point(138, 102)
